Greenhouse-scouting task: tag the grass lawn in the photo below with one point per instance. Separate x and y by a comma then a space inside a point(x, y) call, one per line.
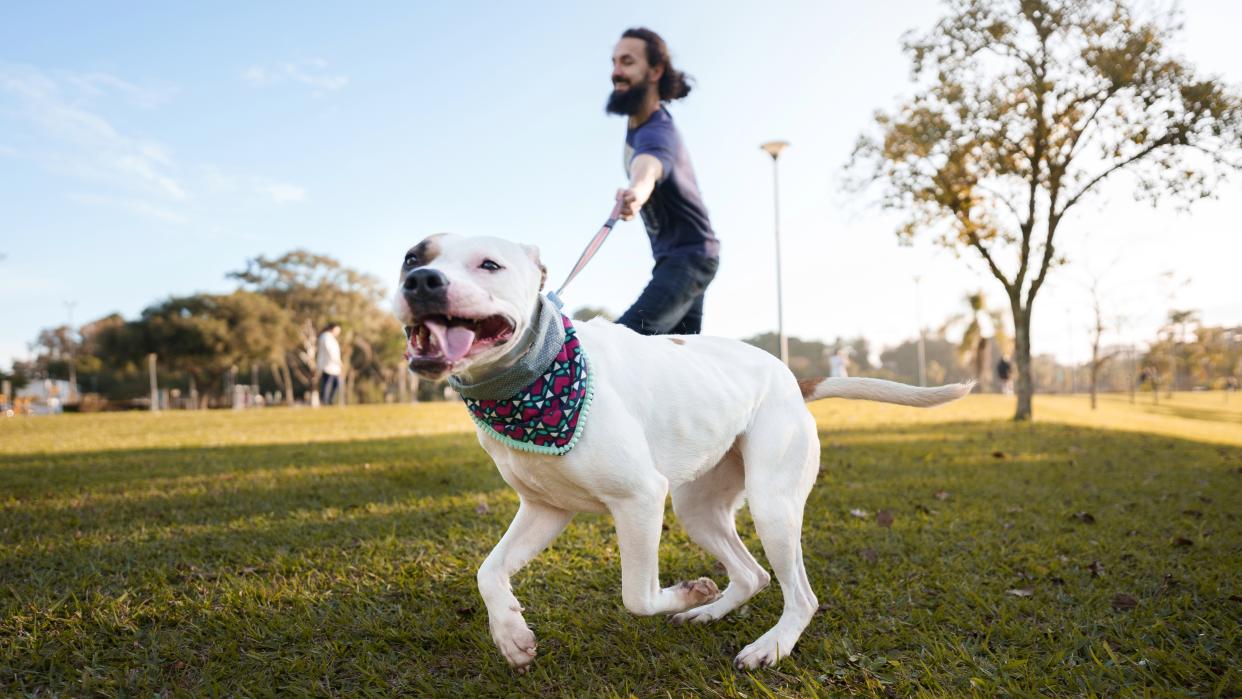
point(297, 552)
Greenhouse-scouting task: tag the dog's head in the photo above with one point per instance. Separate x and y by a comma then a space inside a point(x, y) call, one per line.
point(464, 302)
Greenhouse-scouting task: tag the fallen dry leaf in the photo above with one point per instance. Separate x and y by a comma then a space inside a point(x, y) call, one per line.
point(1122, 601)
point(1085, 517)
point(1183, 541)
point(1021, 592)
point(481, 509)
point(1097, 569)
point(884, 518)
point(869, 555)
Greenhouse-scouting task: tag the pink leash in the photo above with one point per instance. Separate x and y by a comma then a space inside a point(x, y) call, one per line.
point(591, 248)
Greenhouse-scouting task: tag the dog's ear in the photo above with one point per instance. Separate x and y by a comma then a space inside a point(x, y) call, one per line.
point(533, 253)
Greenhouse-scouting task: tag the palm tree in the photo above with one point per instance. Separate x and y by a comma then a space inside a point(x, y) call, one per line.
point(1180, 320)
point(972, 350)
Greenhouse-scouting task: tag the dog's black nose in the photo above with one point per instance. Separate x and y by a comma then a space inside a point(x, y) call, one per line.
point(425, 282)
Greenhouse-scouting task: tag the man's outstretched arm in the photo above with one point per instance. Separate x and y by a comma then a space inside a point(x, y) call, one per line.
point(645, 171)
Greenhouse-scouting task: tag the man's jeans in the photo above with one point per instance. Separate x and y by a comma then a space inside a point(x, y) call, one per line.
point(328, 383)
point(672, 303)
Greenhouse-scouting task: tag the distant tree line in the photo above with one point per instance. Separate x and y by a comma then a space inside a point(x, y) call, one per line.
point(263, 334)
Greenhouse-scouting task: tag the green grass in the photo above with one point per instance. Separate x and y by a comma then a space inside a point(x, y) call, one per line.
point(298, 552)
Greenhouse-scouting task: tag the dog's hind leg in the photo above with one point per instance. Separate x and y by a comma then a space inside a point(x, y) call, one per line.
point(532, 529)
point(706, 507)
point(781, 453)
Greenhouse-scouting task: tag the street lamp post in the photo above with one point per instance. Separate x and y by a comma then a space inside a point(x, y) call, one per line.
point(73, 370)
point(918, 317)
point(774, 148)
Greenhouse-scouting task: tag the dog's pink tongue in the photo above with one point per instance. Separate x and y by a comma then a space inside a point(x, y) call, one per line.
point(454, 340)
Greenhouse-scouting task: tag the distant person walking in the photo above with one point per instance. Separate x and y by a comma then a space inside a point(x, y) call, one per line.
point(328, 360)
point(838, 364)
point(662, 187)
point(1003, 371)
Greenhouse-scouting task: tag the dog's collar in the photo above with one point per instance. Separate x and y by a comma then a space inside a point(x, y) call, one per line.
point(547, 414)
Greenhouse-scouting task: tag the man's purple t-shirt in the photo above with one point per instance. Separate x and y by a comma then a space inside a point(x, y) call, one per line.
point(674, 216)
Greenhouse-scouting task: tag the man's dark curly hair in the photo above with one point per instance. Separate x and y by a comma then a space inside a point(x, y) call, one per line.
point(674, 84)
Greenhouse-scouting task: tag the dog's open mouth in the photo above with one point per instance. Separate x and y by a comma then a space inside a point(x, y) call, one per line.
point(445, 340)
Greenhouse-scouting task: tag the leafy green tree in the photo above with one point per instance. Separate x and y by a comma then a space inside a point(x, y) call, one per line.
point(809, 358)
point(1221, 354)
point(18, 376)
point(940, 355)
point(315, 289)
point(204, 335)
point(1026, 108)
point(53, 350)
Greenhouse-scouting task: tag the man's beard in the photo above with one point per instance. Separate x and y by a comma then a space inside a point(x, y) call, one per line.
point(628, 102)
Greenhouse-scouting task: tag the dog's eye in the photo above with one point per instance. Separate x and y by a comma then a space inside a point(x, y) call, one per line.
point(490, 266)
point(410, 261)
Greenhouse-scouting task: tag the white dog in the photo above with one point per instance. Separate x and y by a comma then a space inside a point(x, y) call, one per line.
point(711, 421)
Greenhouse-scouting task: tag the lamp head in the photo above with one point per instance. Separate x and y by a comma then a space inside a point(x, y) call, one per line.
point(774, 148)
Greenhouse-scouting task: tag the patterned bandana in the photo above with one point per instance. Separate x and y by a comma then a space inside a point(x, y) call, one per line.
point(547, 416)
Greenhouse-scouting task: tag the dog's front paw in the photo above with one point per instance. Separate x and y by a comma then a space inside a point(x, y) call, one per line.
point(516, 642)
point(766, 651)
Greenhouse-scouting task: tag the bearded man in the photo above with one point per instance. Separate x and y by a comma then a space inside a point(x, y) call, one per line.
point(662, 188)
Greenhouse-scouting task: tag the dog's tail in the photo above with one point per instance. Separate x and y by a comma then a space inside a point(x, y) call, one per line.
point(881, 390)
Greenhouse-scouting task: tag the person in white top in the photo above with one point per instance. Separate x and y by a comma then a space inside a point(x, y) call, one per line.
point(328, 360)
point(837, 364)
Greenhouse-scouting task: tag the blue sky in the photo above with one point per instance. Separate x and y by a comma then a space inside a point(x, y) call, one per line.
point(146, 150)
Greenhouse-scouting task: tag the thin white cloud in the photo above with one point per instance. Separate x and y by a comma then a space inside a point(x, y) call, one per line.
point(102, 84)
point(312, 73)
point(140, 208)
point(62, 112)
point(83, 141)
point(282, 193)
point(220, 182)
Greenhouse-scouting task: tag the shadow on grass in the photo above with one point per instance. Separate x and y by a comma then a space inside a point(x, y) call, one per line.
point(302, 570)
point(26, 475)
point(1195, 412)
point(167, 500)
